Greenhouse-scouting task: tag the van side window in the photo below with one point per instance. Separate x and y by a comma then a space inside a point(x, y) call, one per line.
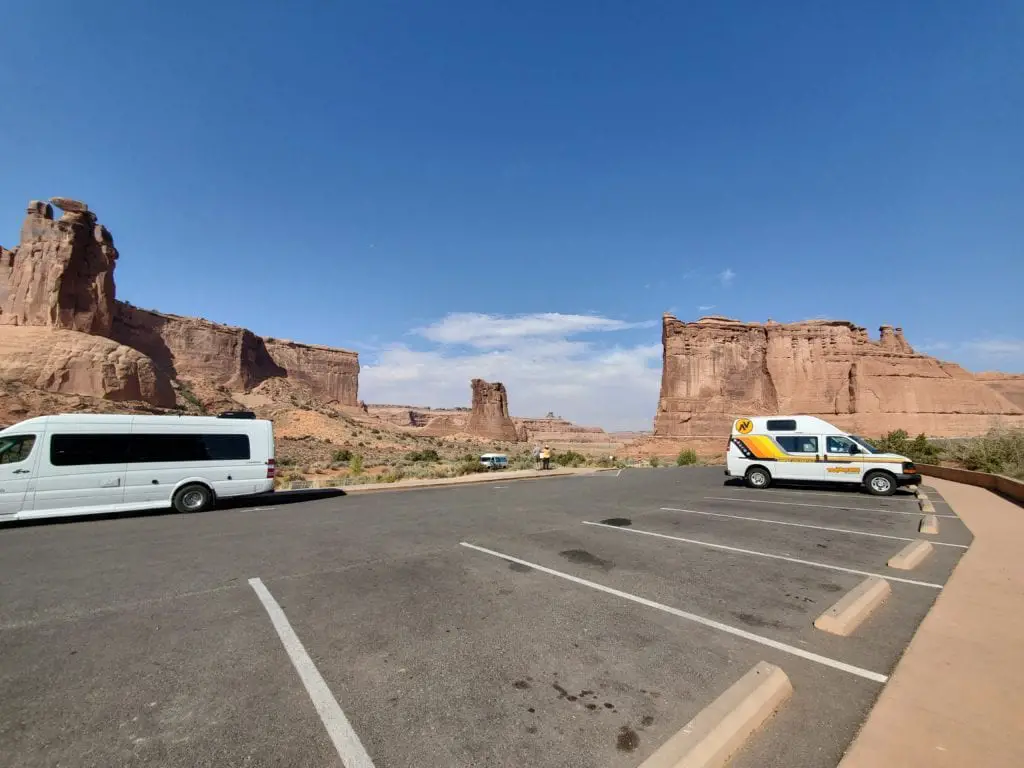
point(16, 449)
point(838, 445)
point(798, 443)
point(77, 450)
point(781, 425)
point(172, 448)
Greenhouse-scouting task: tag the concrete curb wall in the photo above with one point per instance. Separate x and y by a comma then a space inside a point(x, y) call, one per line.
point(1004, 486)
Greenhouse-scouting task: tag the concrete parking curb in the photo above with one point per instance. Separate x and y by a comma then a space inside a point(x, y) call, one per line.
point(418, 485)
point(721, 728)
point(910, 556)
point(929, 524)
point(853, 607)
point(922, 496)
point(926, 506)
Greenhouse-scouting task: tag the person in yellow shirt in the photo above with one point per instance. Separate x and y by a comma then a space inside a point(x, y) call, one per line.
point(545, 457)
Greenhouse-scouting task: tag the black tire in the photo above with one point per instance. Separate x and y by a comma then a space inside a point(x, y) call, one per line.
point(193, 497)
point(880, 483)
point(758, 477)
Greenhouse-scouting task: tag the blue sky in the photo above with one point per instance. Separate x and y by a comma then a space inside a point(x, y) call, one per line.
point(379, 175)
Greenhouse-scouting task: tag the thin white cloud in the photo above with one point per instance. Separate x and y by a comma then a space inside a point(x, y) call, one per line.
point(543, 367)
point(726, 276)
point(706, 307)
point(494, 331)
point(977, 354)
point(996, 348)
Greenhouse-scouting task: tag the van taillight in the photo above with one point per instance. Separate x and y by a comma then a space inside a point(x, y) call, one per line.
point(271, 468)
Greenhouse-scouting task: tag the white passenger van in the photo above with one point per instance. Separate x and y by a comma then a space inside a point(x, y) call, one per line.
point(89, 464)
point(809, 449)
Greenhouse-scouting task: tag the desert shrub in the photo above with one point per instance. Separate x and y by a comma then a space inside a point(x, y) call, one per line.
point(342, 455)
point(918, 449)
point(570, 459)
point(428, 454)
point(355, 466)
point(1000, 451)
point(470, 467)
point(391, 476)
point(687, 457)
point(469, 457)
point(655, 461)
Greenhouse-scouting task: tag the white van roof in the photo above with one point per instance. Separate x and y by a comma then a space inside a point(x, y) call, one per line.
point(126, 419)
point(796, 425)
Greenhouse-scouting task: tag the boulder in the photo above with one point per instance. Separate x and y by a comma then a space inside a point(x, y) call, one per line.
point(69, 362)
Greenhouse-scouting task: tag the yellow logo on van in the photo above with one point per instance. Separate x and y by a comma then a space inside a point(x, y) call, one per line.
point(744, 426)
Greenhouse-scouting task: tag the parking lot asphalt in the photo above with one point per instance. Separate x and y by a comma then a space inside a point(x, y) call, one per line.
point(570, 622)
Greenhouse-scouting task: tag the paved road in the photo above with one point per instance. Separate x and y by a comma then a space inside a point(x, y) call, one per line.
point(139, 641)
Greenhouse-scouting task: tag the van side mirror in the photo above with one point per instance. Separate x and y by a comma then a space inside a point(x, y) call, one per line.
point(854, 449)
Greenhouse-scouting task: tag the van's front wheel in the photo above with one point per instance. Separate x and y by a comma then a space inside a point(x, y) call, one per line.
point(758, 477)
point(880, 483)
point(192, 498)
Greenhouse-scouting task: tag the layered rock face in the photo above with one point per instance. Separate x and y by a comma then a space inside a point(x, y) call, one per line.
point(67, 362)
point(331, 374)
point(61, 275)
point(1009, 385)
point(716, 369)
point(556, 430)
point(196, 349)
point(489, 417)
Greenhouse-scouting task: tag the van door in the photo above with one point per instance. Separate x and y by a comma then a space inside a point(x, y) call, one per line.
point(802, 460)
point(81, 471)
point(19, 455)
point(841, 460)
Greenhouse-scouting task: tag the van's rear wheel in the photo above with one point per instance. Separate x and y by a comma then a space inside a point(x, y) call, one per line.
point(758, 477)
point(880, 483)
point(192, 498)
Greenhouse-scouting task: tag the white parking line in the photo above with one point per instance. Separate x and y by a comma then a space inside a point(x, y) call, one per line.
point(804, 525)
point(787, 558)
point(821, 506)
point(346, 742)
point(825, 660)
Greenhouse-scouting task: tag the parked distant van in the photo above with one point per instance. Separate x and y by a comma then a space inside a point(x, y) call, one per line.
point(809, 449)
point(494, 460)
point(84, 464)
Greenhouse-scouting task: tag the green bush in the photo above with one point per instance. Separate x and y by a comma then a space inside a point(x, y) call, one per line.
point(391, 476)
point(570, 459)
point(918, 449)
point(355, 466)
point(1000, 452)
point(342, 455)
point(655, 461)
point(470, 467)
point(687, 457)
point(428, 454)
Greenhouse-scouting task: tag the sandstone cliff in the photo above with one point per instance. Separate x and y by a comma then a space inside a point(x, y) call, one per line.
point(196, 349)
point(489, 417)
point(556, 430)
point(61, 274)
point(1009, 385)
point(716, 369)
point(67, 362)
point(331, 374)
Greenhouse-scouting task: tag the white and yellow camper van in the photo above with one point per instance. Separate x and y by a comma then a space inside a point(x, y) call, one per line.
point(809, 449)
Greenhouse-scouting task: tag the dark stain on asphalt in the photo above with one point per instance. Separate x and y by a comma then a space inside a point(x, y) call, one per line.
point(521, 685)
point(647, 720)
point(591, 706)
point(608, 705)
point(627, 740)
point(831, 587)
point(619, 521)
point(531, 710)
point(582, 557)
point(756, 621)
point(531, 729)
point(800, 597)
point(562, 693)
point(519, 567)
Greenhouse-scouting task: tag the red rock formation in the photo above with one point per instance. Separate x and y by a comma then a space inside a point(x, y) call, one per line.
point(68, 362)
point(1009, 385)
point(195, 349)
point(489, 417)
point(331, 374)
point(716, 369)
point(556, 430)
point(63, 271)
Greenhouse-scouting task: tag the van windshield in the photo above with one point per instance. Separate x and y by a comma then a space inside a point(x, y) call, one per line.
point(868, 447)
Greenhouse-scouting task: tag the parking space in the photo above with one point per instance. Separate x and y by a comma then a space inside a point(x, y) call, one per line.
point(570, 622)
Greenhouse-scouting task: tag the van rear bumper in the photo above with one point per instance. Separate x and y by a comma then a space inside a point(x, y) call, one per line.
point(908, 479)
